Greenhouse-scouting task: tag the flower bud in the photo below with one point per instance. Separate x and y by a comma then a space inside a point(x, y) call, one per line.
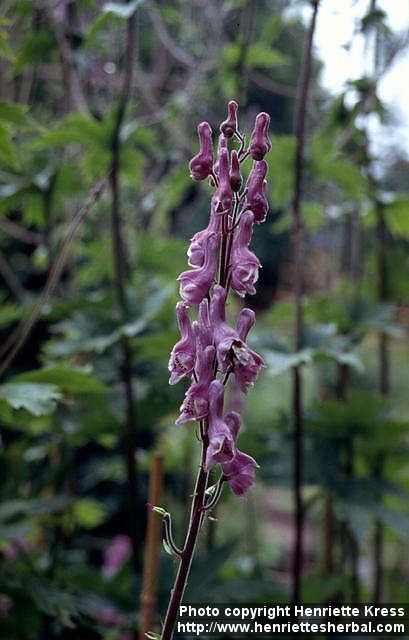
point(259, 142)
point(256, 200)
point(236, 179)
point(201, 165)
point(230, 126)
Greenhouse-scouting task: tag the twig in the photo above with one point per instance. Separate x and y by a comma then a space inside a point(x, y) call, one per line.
point(347, 134)
point(75, 92)
point(54, 276)
point(163, 34)
point(17, 232)
point(10, 278)
point(300, 123)
point(271, 85)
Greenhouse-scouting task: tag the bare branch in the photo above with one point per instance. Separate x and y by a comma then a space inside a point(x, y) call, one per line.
point(17, 232)
point(53, 279)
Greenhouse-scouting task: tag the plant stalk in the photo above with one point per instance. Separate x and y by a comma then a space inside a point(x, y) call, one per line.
point(300, 124)
point(190, 544)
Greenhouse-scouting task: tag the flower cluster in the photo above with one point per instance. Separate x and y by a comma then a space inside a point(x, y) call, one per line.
point(210, 351)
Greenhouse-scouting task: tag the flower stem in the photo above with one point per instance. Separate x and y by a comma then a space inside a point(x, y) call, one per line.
point(190, 544)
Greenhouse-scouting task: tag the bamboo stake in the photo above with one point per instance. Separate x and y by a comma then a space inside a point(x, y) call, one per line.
point(152, 552)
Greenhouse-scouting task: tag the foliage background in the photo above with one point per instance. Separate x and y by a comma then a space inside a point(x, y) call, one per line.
point(66, 441)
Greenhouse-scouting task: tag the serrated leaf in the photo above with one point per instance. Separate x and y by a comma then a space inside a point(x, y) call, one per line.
point(38, 399)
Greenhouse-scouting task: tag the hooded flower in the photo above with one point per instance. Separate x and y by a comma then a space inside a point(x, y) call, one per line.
point(244, 263)
point(195, 283)
point(201, 165)
point(182, 358)
point(202, 326)
point(221, 446)
point(195, 406)
point(196, 251)
point(229, 348)
point(224, 194)
point(240, 472)
point(230, 125)
point(247, 373)
point(256, 200)
point(259, 142)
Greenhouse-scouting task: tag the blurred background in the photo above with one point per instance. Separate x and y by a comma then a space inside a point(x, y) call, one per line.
point(99, 103)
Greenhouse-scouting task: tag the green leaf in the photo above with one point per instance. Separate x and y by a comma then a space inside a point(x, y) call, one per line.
point(153, 305)
point(35, 49)
point(89, 513)
point(121, 10)
point(31, 507)
point(68, 379)
point(16, 530)
point(14, 113)
point(160, 511)
point(38, 399)
point(151, 635)
point(281, 159)
point(7, 150)
point(280, 362)
point(264, 57)
point(397, 217)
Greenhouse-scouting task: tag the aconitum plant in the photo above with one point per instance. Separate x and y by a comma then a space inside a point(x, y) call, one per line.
point(210, 352)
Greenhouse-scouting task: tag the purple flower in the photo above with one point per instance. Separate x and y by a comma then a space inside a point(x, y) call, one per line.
point(195, 283)
point(246, 373)
point(182, 358)
point(240, 472)
point(221, 446)
point(116, 554)
point(196, 251)
point(195, 406)
point(256, 200)
point(259, 142)
point(244, 264)
point(202, 327)
point(201, 165)
point(224, 194)
point(236, 179)
point(222, 144)
point(230, 126)
point(226, 338)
